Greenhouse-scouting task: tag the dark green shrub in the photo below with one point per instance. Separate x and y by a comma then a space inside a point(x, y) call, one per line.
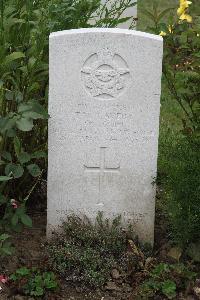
point(180, 161)
point(179, 157)
point(87, 253)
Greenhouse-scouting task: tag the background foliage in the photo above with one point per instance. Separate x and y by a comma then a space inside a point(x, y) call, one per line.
point(24, 29)
point(179, 160)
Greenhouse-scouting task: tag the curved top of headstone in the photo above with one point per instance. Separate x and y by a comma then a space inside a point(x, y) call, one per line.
point(106, 30)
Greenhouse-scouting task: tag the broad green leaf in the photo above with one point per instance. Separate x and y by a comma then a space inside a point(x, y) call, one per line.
point(37, 107)
point(24, 124)
point(26, 220)
point(19, 97)
point(34, 170)
point(32, 110)
point(6, 155)
point(5, 178)
point(13, 56)
point(32, 115)
point(39, 154)
point(18, 228)
point(20, 211)
point(7, 123)
point(14, 219)
point(24, 157)
point(15, 169)
point(11, 133)
point(9, 95)
point(23, 107)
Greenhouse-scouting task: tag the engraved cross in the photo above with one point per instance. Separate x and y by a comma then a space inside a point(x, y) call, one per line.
point(101, 170)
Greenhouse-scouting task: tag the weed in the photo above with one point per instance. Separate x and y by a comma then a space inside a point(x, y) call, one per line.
point(166, 280)
point(33, 282)
point(88, 252)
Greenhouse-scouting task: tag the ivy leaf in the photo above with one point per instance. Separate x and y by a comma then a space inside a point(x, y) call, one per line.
point(24, 124)
point(16, 169)
point(34, 170)
point(24, 157)
point(26, 220)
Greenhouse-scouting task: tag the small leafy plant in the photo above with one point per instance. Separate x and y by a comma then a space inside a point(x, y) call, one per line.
point(166, 280)
point(86, 252)
point(33, 282)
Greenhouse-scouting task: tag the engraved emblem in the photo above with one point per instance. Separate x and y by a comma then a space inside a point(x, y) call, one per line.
point(105, 75)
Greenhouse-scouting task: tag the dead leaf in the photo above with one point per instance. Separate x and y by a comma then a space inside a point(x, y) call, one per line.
point(175, 253)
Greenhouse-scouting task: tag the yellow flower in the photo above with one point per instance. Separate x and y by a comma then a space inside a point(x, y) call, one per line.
point(180, 10)
point(184, 4)
point(186, 17)
point(162, 33)
point(170, 28)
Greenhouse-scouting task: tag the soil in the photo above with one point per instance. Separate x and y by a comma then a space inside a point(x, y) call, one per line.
point(30, 252)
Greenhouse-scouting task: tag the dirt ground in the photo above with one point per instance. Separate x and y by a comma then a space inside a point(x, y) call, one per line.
point(30, 252)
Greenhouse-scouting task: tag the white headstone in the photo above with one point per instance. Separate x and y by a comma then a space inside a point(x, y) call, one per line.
point(104, 106)
point(129, 12)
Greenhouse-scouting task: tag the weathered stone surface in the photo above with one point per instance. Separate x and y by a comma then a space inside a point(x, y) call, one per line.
point(104, 104)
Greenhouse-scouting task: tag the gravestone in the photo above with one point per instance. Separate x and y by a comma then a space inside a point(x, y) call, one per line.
point(129, 12)
point(104, 104)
